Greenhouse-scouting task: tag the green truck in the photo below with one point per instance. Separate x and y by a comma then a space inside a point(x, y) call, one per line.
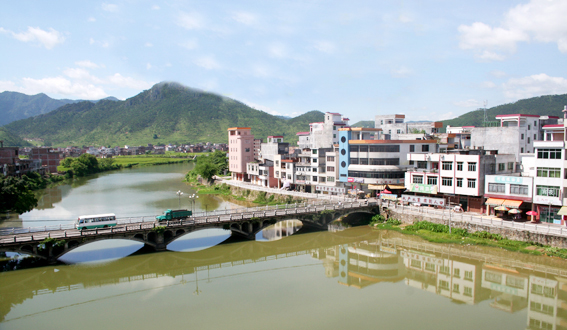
point(174, 215)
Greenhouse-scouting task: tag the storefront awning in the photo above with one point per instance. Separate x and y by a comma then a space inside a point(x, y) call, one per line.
point(376, 186)
point(397, 186)
point(494, 201)
point(512, 203)
point(563, 211)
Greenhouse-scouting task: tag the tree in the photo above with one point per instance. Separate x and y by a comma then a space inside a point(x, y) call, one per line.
point(15, 195)
point(84, 165)
point(206, 168)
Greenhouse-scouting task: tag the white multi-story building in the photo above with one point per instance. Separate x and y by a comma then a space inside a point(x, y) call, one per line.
point(394, 127)
point(458, 175)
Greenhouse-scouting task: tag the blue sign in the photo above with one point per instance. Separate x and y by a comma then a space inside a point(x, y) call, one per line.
point(508, 179)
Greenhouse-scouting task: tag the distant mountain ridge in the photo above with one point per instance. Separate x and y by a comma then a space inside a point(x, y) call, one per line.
point(15, 106)
point(551, 105)
point(166, 113)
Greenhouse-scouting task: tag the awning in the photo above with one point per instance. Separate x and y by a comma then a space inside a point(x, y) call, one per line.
point(562, 211)
point(494, 201)
point(397, 186)
point(376, 186)
point(512, 203)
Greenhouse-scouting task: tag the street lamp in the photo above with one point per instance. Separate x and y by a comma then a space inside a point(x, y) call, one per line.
point(192, 199)
point(179, 194)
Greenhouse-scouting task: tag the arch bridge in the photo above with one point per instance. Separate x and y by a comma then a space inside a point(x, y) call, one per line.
point(52, 244)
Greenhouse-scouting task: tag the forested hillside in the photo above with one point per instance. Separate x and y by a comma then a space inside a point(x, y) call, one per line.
point(166, 113)
point(551, 105)
point(12, 140)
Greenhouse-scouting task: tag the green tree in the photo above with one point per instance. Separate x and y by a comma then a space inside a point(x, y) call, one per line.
point(84, 165)
point(67, 162)
point(206, 168)
point(15, 195)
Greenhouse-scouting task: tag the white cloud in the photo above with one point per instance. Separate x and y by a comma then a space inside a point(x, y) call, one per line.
point(103, 44)
point(245, 18)
point(91, 19)
point(470, 103)
point(207, 62)
point(148, 44)
point(539, 20)
point(87, 64)
point(401, 72)
point(109, 7)
point(534, 85)
point(155, 7)
point(490, 56)
point(445, 116)
point(278, 50)
point(487, 84)
point(7, 86)
point(261, 107)
point(81, 74)
point(405, 18)
point(190, 44)
point(48, 39)
point(121, 81)
point(498, 74)
point(60, 85)
point(190, 21)
point(148, 66)
point(325, 47)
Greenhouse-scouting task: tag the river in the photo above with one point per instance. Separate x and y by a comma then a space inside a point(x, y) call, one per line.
point(355, 278)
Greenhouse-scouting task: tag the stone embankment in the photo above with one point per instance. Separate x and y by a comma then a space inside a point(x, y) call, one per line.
point(542, 233)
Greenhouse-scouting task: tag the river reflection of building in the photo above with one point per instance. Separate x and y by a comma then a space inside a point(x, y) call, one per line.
point(281, 229)
point(460, 279)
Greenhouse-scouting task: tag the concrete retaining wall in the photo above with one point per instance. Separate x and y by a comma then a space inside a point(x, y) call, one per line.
point(510, 233)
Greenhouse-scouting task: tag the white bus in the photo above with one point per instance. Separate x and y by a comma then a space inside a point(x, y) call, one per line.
point(96, 221)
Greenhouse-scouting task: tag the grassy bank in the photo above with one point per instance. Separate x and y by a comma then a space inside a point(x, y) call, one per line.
point(141, 160)
point(257, 197)
point(438, 233)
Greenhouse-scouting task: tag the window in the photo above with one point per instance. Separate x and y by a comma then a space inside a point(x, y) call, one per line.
point(522, 150)
point(334, 136)
point(314, 160)
point(472, 167)
point(535, 137)
point(418, 179)
point(518, 189)
point(549, 191)
point(412, 148)
point(529, 127)
point(522, 136)
point(334, 128)
point(510, 166)
point(471, 183)
point(468, 275)
point(549, 153)
point(246, 149)
point(501, 166)
point(447, 182)
point(354, 161)
point(384, 161)
point(330, 158)
point(447, 166)
point(343, 139)
point(459, 166)
point(363, 148)
point(399, 132)
point(456, 272)
point(460, 182)
point(425, 147)
point(314, 151)
point(468, 291)
point(443, 285)
point(432, 180)
point(330, 179)
point(548, 172)
point(385, 148)
point(363, 161)
point(496, 187)
point(456, 288)
point(314, 179)
point(330, 168)
point(421, 164)
point(528, 139)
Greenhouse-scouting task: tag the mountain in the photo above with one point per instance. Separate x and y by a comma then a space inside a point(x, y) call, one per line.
point(15, 106)
point(11, 140)
point(551, 105)
point(364, 123)
point(166, 113)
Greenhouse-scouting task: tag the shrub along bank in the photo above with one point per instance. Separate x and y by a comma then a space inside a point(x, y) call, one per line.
point(241, 194)
point(439, 233)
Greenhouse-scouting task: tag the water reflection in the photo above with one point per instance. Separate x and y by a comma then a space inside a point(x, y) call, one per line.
point(279, 230)
point(394, 274)
point(199, 240)
point(101, 251)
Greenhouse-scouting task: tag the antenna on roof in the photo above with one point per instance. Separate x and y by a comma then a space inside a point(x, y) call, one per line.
point(485, 116)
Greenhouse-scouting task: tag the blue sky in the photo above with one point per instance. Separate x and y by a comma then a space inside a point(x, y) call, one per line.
point(430, 60)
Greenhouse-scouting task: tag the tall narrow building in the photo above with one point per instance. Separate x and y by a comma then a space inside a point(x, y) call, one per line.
point(240, 151)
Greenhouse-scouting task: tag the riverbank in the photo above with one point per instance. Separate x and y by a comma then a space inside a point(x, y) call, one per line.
point(229, 192)
point(441, 233)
